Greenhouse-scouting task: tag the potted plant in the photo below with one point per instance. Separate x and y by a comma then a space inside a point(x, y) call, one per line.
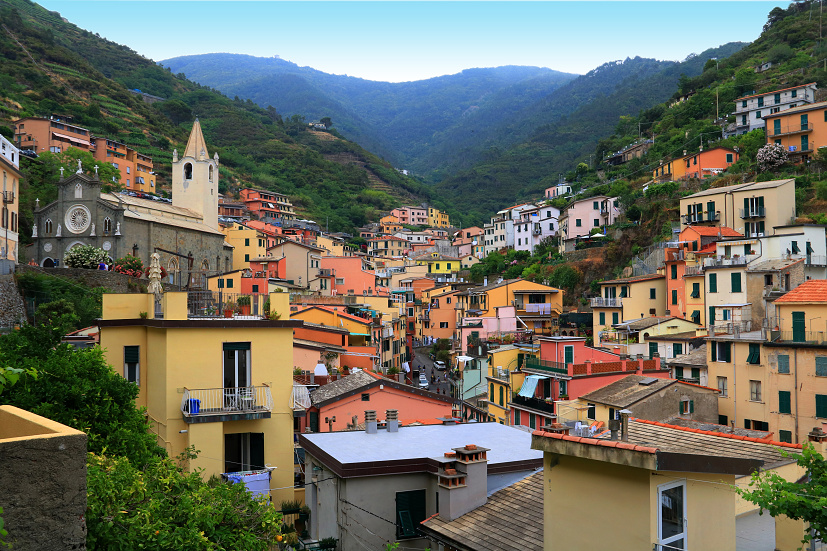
point(273, 315)
point(328, 543)
point(290, 507)
point(244, 305)
point(229, 308)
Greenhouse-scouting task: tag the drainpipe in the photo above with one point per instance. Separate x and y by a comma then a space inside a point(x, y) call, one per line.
point(795, 379)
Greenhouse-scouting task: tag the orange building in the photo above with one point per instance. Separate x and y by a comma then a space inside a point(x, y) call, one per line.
point(439, 317)
point(801, 130)
point(696, 165)
point(54, 135)
point(345, 275)
point(136, 169)
point(267, 204)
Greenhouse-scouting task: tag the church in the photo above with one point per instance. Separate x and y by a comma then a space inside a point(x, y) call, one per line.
point(185, 233)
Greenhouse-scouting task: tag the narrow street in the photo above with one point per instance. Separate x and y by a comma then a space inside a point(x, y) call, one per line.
point(424, 364)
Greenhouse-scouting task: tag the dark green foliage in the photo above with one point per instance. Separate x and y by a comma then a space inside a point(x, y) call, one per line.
point(39, 289)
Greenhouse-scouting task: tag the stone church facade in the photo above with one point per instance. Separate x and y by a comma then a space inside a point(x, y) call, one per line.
point(185, 233)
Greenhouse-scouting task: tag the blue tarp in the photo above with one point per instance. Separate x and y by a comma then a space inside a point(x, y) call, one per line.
point(530, 385)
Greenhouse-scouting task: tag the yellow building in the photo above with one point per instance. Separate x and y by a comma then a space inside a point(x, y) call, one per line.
point(222, 386)
point(247, 243)
point(753, 208)
point(439, 263)
point(10, 167)
point(437, 218)
point(537, 306)
point(334, 246)
point(628, 299)
point(503, 380)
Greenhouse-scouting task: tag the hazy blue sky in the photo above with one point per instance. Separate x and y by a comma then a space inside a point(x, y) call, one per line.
point(398, 41)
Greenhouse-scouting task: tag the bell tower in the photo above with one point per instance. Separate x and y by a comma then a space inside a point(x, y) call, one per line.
point(195, 178)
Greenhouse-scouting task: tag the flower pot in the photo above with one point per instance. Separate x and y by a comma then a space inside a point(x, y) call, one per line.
point(245, 310)
point(228, 313)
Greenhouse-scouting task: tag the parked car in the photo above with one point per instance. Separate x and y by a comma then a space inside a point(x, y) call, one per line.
point(28, 153)
point(439, 365)
point(423, 381)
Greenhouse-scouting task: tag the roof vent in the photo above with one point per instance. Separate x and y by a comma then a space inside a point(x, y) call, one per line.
point(647, 381)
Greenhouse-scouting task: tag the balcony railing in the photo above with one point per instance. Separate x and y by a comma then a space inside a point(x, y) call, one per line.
point(8, 197)
point(327, 272)
point(816, 260)
point(800, 337)
point(218, 304)
point(730, 328)
point(756, 212)
point(700, 217)
point(600, 302)
point(547, 366)
point(716, 262)
point(790, 129)
point(248, 401)
point(534, 403)
point(692, 270)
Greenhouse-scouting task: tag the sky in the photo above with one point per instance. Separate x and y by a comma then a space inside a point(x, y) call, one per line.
point(404, 41)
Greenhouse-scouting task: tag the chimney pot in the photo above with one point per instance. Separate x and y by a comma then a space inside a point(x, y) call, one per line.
point(392, 420)
point(614, 428)
point(624, 424)
point(370, 421)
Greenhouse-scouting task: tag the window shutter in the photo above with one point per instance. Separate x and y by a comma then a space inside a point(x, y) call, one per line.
point(131, 354)
point(783, 363)
point(821, 366)
point(727, 352)
point(746, 205)
point(821, 405)
point(236, 346)
point(696, 373)
point(714, 351)
point(736, 282)
point(713, 283)
point(691, 406)
point(783, 401)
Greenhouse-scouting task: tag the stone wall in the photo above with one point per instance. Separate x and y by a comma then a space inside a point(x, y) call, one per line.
point(43, 492)
point(115, 282)
point(12, 309)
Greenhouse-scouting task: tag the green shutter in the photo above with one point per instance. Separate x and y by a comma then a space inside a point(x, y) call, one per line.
point(754, 353)
point(691, 406)
point(615, 319)
point(653, 349)
point(821, 366)
point(714, 351)
point(746, 206)
point(696, 373)
point(821, 406)
point(713, 283)
point(679, 373)
point(131, 354)
point(783, 363)
point(502, 401)
point(236, 346)
point(799, 334)
point(696, 290)
point(696, 316)
point(710, 208)
point(677, 349)
point(410, 511)
point(783, 401)
point(602, 318)
point(711, 319)
point(785, 436)
point(736, 282)
point(728, 352)
point(674, 268)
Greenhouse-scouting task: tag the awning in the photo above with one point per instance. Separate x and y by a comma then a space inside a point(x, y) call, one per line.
point(530, 385)
point(320, 370)
point(464, 358)
point(739, 242)
point(71, 138)
point(535, 291)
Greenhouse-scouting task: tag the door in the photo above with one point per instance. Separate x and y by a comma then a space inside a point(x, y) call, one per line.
point(776, 127)
point(236, 374)
point(568, 352)
point(798, 327)
point(653, 349)
point(672, 515)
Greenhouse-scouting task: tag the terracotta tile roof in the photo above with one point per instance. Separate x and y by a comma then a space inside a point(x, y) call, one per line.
point(507, 522)
point(633, 279)
point(777, 91)
point(341, 314)
point(629, 390)
point(707, 231)
point(814, 290)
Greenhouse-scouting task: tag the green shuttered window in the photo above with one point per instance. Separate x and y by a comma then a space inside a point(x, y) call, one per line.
point(821, 406)
point(821, 366)
point(713, 283)
point(783, 363)
point(783, 401)
point(754, 353)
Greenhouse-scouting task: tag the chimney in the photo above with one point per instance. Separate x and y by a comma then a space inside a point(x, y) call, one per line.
point(485, 281)
point(370, 421)
point(462, 481)
point(392, 419)
point(624, 424)
point(614, 428)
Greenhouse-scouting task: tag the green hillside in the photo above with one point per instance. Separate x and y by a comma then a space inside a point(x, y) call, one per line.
point(49, 66)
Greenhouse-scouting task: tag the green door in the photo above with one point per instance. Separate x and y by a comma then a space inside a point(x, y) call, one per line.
point(568, 351)
point(653, 349)
point(805, 123)
point(798, 327)
point(776, 127)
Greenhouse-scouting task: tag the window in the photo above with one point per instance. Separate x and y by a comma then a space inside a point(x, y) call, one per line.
point(713, 283)
point(687, 406)
point(674, 296)
point(821, 366)
point(246, 258)
point(755, 391)
point(794, 93)
point(754, 357)
point(729, 158)
point(758, 114)
point(48, 226)
point(578, 223)
point(783, 364)
point(596, 205)
point(517, 417)
point(131, 364)
point(677, 349)
point(784, 401)
point(652, 293)
point(340, 281)
point(821, 405)
point(596, 222)
point(721, 352)
point(366, 397)
point(744, 103)
point(229, 283)
point(760, 102)
point(795, 248)
point(243, 451)
point(679, 373)
point(443, 325)
point(696, 290)
point(674, 270)
point(592, 412)
point(246, 242)
point(723, 420)
point(615, 318)
point(502, 401)
point(777, 99)
point(736, 282)
point(107, 225)
point(785, 436)
point(602, 318)
point(744, 119)
point(671, 515)
point(722, 386)
point(255, 288)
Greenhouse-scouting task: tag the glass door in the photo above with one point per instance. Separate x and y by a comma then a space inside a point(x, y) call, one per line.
point(236, 374)
point(672, 515)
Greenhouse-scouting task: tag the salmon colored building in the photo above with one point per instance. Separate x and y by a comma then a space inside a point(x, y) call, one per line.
point(801, 130)
point(54, 135)
point(136, 169)
point(267, 204)
point(348, 275)
point(337, 404)
point(439, 317)
point(702, 164)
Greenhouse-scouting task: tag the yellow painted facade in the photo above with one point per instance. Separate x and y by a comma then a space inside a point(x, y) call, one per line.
point(630, 299)
point(247, 242)
point(438, 264)
point(334, 247)
point(750, 208)
point(695, 303)
point(178, 355)
point(227, 283)
point(438, 219)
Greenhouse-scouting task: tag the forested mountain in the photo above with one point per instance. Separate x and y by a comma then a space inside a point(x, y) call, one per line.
point(50, 66)
point(407, 121)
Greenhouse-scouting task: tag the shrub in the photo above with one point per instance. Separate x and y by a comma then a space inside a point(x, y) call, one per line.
point(129, 265)
point(771, 157)
point(86, 256)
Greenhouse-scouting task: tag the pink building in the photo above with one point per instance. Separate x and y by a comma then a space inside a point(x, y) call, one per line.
point(413, 216)
point(580, 217)
point(348, 275)
point(560, 190)
point(256, 279)
point(504, 321)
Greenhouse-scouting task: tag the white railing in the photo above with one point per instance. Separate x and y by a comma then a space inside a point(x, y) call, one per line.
point(730, 327)
point(223, 401)
point(600, 302)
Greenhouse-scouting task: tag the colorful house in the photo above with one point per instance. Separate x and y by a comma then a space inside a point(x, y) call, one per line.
point(438, 263)
point(267, 204)
point(801, 130)
point(248, 243)
point(703, 164)
point(10, 167)
point(627, 299)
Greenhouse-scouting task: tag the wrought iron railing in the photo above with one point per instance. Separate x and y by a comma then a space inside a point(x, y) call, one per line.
point(601, 302)
point(219, 304)
point(545, 365)
point(534, 403)
point(790, 129)
point(224, 401)
point(735, 261)
point(755, 212)
point(804, 337)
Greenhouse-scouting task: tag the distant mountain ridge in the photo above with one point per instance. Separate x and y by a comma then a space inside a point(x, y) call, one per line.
point(404, 121)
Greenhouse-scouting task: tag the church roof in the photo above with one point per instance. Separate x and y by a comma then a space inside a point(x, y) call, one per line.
point(196, 142)
point(159, 213)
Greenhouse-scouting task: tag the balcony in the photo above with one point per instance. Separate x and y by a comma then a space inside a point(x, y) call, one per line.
point(799, 337)
point(8, 197)
point(600, 302)
point(815, 260)
point(790, 129)
point(725, 262)
point(218, 304)
point(693, 270)
point(327, 272)
point(804, 147)
point(537, 404)
point(209, 405)
point(545, 366)
point(756, 212)
point(730, 328)
point(701, 217)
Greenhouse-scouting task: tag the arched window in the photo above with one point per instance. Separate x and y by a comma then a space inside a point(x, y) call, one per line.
point(210, 173)
point(107, 225)
point(492, 391)
point(188, 171)
point(172, 269)
point(78, 191)
point(226, 263)
point(205, 267)
point(501, 397)
point(47, 230)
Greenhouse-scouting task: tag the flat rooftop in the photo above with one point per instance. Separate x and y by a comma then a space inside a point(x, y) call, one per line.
point(411, 448)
